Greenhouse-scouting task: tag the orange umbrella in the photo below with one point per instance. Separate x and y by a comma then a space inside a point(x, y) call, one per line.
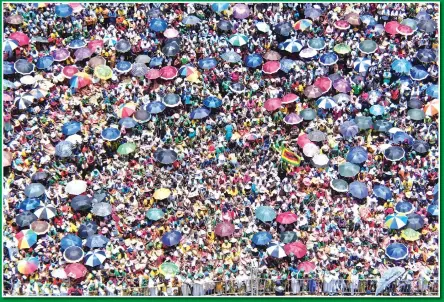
point(432, 108)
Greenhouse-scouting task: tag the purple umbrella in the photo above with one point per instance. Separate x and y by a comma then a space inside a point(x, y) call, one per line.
point(292, 119)
point(241, 11)
point(60, 54)
point(313, 92)
point(342, 85)
point(83, 53)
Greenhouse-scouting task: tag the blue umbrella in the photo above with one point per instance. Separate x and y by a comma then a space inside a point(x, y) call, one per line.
point(171, 238)
point(123, 46)
point(208, 63)
point(77, 43)
point(124, 66)
point(382, 192)
point(127, 122)
point(220, 7)
point(369, 20)
point(87, 229)
point(254, 60)
point(165, 156)
point(171, 100)
point(158, 25)
point(426, 55)
point(73, 254)
point(34, 190)
point(420, 146)
point(171, 49)
point(358, 189)
point(433, 210)
point(287, 65)
point(212, 102)
point(231, 57)
point(96, 241)
point(433, 91)
point(404, 207)
point(328, 58)
point(261, 238)
point(8, 68)
point(81, 203)
point(312, 13)
point(44, 62)
point(317, 43)
point(396, 251)
point(405, 80)
point(155, 107)
point(71, 128)
point(283, 29)
point(200, 113)
point(29, 204)
point(402, 137)
point(70, 240)
point(383, 125)
point(95, 258)
point(64, 149)
point(415, 221)
point(418, 73)
point(394, 153)
point(401, 66)
point(291, 46)
point(435, 192)
point(349, 129)
point(357, 155)
point(395, 221)
point(111, 134)
point(63, 10)
point(423, 16)
point(24, 67)
point(224, 25)
point(9, 45)
point(377, 110)
point(326, 103)
point(156, 61)
point(362, 64)
point(190, 20)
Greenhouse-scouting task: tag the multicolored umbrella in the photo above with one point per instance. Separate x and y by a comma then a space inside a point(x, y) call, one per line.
point(20, 37)
point(412, 23)
point(432, 108)
point(28, 265)
point(126, 110)
point(395, 221)
point(303, 24)
point(95, 258)
point(80, 80)
point(326, 103)
point(224, 229)
point(362, 64)
point(26, 238)
point(46, 212)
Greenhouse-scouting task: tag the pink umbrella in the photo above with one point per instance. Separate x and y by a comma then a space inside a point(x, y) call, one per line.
point(404, 30)
point(303, 140)
point(76, 270)
point(324, 83)
point(313, 92)
point(306, 266)
point(342, 85)
point(153, 74)
point(241, 11)
point(70, 71)
point(168, 72)
point(286, 218)
point(342, 24)
point(171, 33)
point(271, 67)
point(272, 104)
point(76, 7)
point(391, 27)
point(296, 248)
point(20, 37)
point(94, 44)
point(289, 98)
point(224, 229)
point(272, 55)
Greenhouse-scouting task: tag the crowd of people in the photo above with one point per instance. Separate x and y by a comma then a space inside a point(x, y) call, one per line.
point(194, 147)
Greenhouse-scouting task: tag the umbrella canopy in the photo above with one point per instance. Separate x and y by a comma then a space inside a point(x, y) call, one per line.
point(401, 66)
point(95, 258)
point(416, 114)
point(283, 29)
point(73, 254)
point(296, 248)
point(171, 238)
point(394, 153)
point(224, 229)
point(349, 129)
point(306, 266)
point(96, 241)
point(308, 53)
point(377, 110)
point(404, 30)
point(171, 49)
point(415, 221)
point(96, 61)
point(171, 100)
point(169, 269)
point(326, 103)
point(69, 71)
point(224, 25)
point(71, 128)
point(139, 70)
point(287, 65)
point(433, 91)
point(75, 187)
point(391, 27)
point(212, 102)
point(34, 190)
point(238, 40)
point(70, 240)
point(342, 25)
point(289, 98)
point(207, 63)
point(395, 221)
point(80, 80)
point(358, 189)
point(123, 46)
point(77, 43)
point(271, 67)
point(291, 45)
point(237, 88)
point(364, 122)
point(303, 24)
point(428, 26)
point(190, 20)
point(28, 265)
point(76, 270)
point(158, 25)
point(339, 185)
point(288, 236)
point(63, 10)
point(342, 49)
point(24, 67)
point(241, 11)
point(101, 209)
point(46, 212)
point(87, 229)
point(349, 170)
point(418, 73)
point(382, 125)
point(155, 107)
point(308, 114)
point(162, 193)
point(357, 155)
point(388, 277)
point(44, 62)
point(14, 19)
point(396, 251)
point(168, 72)
point(313, 92)
point(123, 66)
point(126, 148)
point(110, 134)
point(362, 64)
point(272, 104)
point(426, 55)
point(402, 137)
point(155, 214)
point(26, 239)
point(433, 210)
point(410, 235)
point(103, 72)
point(200, 113)
point(165, 156)
point(286, 218)
point(329, 58)
point(231, 57)
point(342, 85)
point(81, 203)
point(261, 238)
point(20, 37)
point(317, 136)
point(404, 207)
point(276, 250)
point(263, 27)
point(60, 54)
point(382, 192)
point(292, 119)
point(317, 43)
point(8, 68)
point(420, 146)
point(29, 204)
point(265, 213)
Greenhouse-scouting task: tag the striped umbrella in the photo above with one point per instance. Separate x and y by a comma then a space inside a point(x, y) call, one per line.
point(238, 40)
point(276, 250)
point(291, 46)
point(362, 64)
point(303, 24)
point(46, 212)
point(95, 258)
point(326, 103)
point(126, 110)
point(9, 45)
point(28, 265)
point(80, 80)
point(26, 239)
point(395, 221)
point(24, 101)
point(432, 108)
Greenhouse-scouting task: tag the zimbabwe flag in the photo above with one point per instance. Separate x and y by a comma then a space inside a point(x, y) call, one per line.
point(290, 157)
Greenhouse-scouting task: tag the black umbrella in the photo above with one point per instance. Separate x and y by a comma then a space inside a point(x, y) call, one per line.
point(96, 241)
point(283, 29)
point(415, 221)
point(164, 156)
point(421, 146)
point(123, 46)
point(81, 203)
point(40, 177)
point(25, 219)
point(224, 25)
point(87, 229)
point(171, 49)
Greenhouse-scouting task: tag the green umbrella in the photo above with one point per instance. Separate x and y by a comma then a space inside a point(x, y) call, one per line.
point(265, 213)
point(238, 40)
point(348, 169)
point(169, 269)
point(342, 49)
point(368, 46)
point(412, 23)
point(155, 214)
point(308, 114)
point(126, 148)
point(103, 72)
point(416, 114)
point(289, 236)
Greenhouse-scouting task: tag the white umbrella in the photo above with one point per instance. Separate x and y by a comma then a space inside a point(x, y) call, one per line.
point(276, 250)
point(59, 273)
point(74, 139)
point(75, 187)
point(27, 80)
point(320, 160)
point(310, 150)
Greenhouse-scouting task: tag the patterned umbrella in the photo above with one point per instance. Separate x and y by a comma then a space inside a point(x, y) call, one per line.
point(276, 250)
point(28, 265)
point(326, 103)
point(395, 221)
point(123, 66)
point(123, 46)
point(199, 113)
point(362, 64)
point(73, 254)
point(238, 40)
point(432, 108)
point(224, 229)
point(46, 212)
point(155, 107)
point(126, 110)
point(96, 241)
point(95, 258)
point(26, 239)
point(291, 46)
point(44, 62)
point(390, 27)
point(303, 24)
point(317, 43)
point(80, 80)
point(313, 92)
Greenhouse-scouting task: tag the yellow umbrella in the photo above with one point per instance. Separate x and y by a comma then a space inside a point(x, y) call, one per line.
point(162, 193)
point(103, 72)
point(410, 235)
point(194, 77)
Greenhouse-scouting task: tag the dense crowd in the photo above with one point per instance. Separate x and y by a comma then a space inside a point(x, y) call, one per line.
point(183, 146)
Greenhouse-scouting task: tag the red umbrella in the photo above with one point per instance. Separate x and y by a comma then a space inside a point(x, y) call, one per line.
point(153, 74)
point(297, 248)
point(324, 83)
point(94, 44)
point(272, 104)
point(70, 71)
point(289, 98)
point(168, 72)
point(404, 30)
point(286, 218)
point(20, 37)
point(303, 140)
point(342, 24)
point(224, 229)
point(76, 270)
point(306, 266)
point(271, 67)
point(391, 27)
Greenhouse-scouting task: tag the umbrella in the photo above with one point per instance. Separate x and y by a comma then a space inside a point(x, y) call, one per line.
point(171, 100)
point(395, 221)
point(261, 238)
point(34, 190)
point(171, 33)
point(126, 148)
point(401, 66)
point(123, 46)
point(87, 229)
point(433, 91)
point(410, 235)
point(59, 273)
point(428, 26)
point(292, 119)
point(276, 250)
point(165, 156)
point(155, 214)
point(237, 88)
point(199, 113)
point(296, 248)
point(415, 221)
point(342, 85)
point(308, 53)
point(8, 68)
point(308, 114)
point(171, 238)
point(224, 25)
point(44, 62)
point(348, 169)
point(357, 155)
point(382, 192)
point(139, 69)
point(339, 185)
point(14, 19)
point(358, 189)
point(241, 11)
point(288, 236)
point(364, 122)
point(394, 153)
point(317, 136)
point(362, 64)
point(155, 107)
point(28, 265)
point(76, 270)
point(404, 30)
point(158, 25)
point(71, 128)
point(26, 238)
point(46, 212)
point(272, 104)
point(289, 98)
point(238, 40)
point(291, 46)
point(271, 67)
point(388, 277)
point(342, 25)
point(382, 125)
point(124, 66)
point(377, 110)
point(328, 58)
point(20, 37)
point(306, 266)
point(342, 49)
point(29, 204)
point(169, 268)
point(272, 55)
point(69, 71)
point(80, 80)
point(110, 134)
point(402, 137)
point(127, 122)
point(81, 203)
point(187, 70)
point(313, 92)
point(162, 193)
point(310, 150)
point(313, 13)
point(317, 43)
point(95, 258)
point(265, 213)
point(224, 229)
point(24, 67)
point(76, 187)
point(70, 240)
point(231, 57)
point(283, 29)
point(103, 72)
point(83, 53)
point(303, 24)
point(426, 55)
point(418, 73)
point(168, 72)
point(141, 116)
point(390, 27)
point(396, 251)
point(416, 114)
point(76, 44)
point(190, 20)
point(153, 74)
point(349, 129)
point(353, 18)
point(60, 54)
point(433, 210)
point(263, 27)
point(95, 45)
point(96, 241)
point(212, 102)
point(101, 209)
point(412, 23)
point(96, 61)
point(23, 102)
point(207, 63)
point(73, 254)
point(420, 146)
point(326, 103)
point(63, 10)
point(404, 207)
point(286, 218)
point(27, 80)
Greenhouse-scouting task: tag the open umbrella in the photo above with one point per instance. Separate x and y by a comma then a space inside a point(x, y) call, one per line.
point(171, 33)
point(401, 66)
point(127, 122)
point(284, 29)
point(272, 104)
point(342, 49)
point(76, 270)
point(80, 80)
point(420, 146)
point(394, 153)
point(123, 46)
point(169, 269)
point(60, 54)
point(412, 23)
point(110, 134)
point(308, 114)
point(328, 58)
point(77, 43)
point(171, 49)
point(14, 19)
point(287, 65)
point(101, 209)
point(241, 11)
point(75, 187)
point(358, 189)
point(339, 185)
point(433, 210)
point(155, 107)
point(158, 25)
point(433, 91)
point(126, 148)
point(26, 239)
point(46, 211)
point(377, 110)
point(404, 207)
point(207, 63)
point(69, 71)
point(95, 258)
point(348, 169)
point(276, 250)
point(171, 238)
point(428, 26)
point(8, 68)
point(224, 229)
point(81, 203)
point(396, 251)
point(265, 213)
point(96, 61)
point(395, 221)
point(238, 39)
point(29, 204)
point(103, 72)
point(288, 236)
point(200, 113)
point(263, 27)
point(190, 20)
point(308, 53)
point(426, 55)
point(317, 136)
point(313, 13)
point(286, 218)
point(212, 102)
point(162, 193)
point(382, 192)
point(87, 229)
point(271, 67)
point(418, 73)
point(388, 277)
point(9, 45)
point(96, 241)
point(73, 254)
point(20, 37)
point(44, 62)
point(71, 128)
point(342, 25)
point(362, 64)
point(317, 43)
point(382, 125)
point(390, 27)
point(342, 85)
point(141, 116)
point(303, 24)
point(139, 69)
point(168, 72)
point(364, 122)
point(123, 66)
point(313, 92)
point(155, 214)
point(70, 240)
point(326, 103)
point(349, 129)
point(292, 119)
point(34, 190)
point(306, 266)
point(289, 98)
point(404, 30)
point(296, 248)
point(261, 238)
point(410, 235)
point(224, 25)
point(231, 57)
point(63, 10)
point(357, 155)
point(310, 150)
point(402, 137)
point(171, 100)
point(415, 221)
point(28, 265)
point(23, 67)
point(416, 114)
point(165, 156)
